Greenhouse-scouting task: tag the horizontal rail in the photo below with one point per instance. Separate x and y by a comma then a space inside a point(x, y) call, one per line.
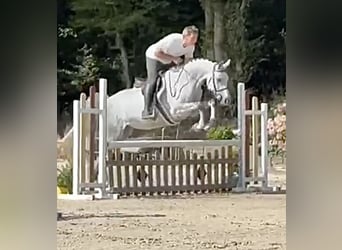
point(90, 111)
point(174, 188)
point(172, 143)
point(251, 179)
point(253, 112)
point(179, 162)
point(90, 185)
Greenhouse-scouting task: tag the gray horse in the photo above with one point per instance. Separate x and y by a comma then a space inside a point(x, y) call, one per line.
point(181, 92)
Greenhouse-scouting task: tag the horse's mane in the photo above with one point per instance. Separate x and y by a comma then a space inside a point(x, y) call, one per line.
point(201, 64)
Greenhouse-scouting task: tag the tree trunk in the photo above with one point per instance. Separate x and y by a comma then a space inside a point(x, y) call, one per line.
point(209, 28)
point(124, 60)
point(219, 30)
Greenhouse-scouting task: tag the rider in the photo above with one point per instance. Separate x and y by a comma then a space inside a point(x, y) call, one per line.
point(162, 55)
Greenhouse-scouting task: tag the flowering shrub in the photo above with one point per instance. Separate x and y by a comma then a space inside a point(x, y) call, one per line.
point(276, 127)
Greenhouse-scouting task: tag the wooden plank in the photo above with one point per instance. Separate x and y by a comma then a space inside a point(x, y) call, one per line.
point(142, 176)
point(195, 171)
point(158, 170)
point(118, 171)
point(134, 172)
point(150, 173)
point(166, 174)
point(201, 172)
point(180, 169)
point(223, 166)
point(187, 169)
point(115, 155)
point(230, 165)
point(173, 169)
point(216, 168)
point(209, 173)
point(127, 175)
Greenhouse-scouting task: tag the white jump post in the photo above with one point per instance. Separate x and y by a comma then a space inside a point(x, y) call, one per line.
point(77, 114)
point(241, 102)
point(76, 148)
point(242, 113)
point(102, 136)
point(264, 143)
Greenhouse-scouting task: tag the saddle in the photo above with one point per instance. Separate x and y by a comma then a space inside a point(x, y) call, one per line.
point(140, 82)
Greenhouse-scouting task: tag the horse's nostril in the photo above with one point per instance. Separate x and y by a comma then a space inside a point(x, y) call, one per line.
point(219, 97)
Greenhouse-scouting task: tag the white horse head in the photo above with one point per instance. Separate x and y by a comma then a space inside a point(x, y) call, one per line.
point(182, 91)
point(218, 83)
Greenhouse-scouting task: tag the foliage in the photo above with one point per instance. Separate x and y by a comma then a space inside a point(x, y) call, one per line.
point(220, 133)
point(64, 178)
point(276, 127)
point(256, 44)
point(107, 38)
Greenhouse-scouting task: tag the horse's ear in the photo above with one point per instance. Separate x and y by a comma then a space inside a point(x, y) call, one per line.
point(226, 64)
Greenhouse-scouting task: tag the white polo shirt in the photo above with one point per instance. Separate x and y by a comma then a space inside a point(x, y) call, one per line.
point(171, 45)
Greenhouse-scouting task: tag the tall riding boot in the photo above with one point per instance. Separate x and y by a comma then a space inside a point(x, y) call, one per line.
point(148, 96)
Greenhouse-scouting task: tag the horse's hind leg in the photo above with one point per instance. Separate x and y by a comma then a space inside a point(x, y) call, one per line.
point(126, 132)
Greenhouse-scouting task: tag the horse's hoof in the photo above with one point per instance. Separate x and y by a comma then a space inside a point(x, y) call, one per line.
point(206, 128)
point(196, 127)
point(210, 125)
point(236, 132)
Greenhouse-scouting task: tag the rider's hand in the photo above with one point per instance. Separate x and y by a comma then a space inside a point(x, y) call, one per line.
point(177, 60)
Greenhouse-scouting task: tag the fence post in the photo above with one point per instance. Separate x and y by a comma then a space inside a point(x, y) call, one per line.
point(76, 147)
point(242, 129)
point(255, 136)
point(247, 138)
point(92, 142)
point(264, 143)
point(102, 135)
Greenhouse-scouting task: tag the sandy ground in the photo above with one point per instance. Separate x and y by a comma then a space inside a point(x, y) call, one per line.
point(207, 221)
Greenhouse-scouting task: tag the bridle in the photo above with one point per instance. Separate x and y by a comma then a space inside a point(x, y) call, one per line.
point(213, 94)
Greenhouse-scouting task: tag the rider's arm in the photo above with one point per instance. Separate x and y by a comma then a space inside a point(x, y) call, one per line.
point(162, 55)
point(163, 50)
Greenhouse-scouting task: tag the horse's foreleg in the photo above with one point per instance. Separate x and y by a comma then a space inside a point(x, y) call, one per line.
point(185, 109)
point(212, 120)
point(200, 124)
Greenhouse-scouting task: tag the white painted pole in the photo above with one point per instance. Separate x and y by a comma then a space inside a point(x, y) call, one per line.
point(242, 129)
point(102, 135)
point(264, 143)
point(76, 147)
point(255, 134)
